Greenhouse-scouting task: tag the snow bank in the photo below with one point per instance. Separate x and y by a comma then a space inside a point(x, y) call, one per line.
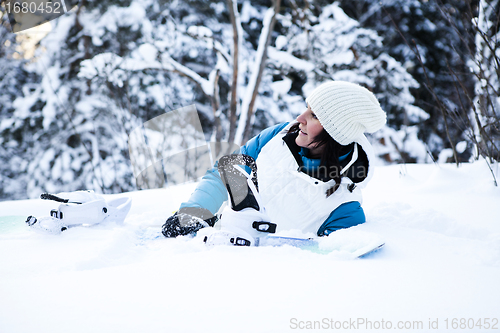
point(441, 261)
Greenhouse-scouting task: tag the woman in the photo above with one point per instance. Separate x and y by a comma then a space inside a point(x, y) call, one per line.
point(309, 172)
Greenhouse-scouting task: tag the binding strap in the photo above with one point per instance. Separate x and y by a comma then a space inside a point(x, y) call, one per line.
point(48, 196)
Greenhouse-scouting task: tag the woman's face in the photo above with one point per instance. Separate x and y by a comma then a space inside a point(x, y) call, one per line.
point(310, 127)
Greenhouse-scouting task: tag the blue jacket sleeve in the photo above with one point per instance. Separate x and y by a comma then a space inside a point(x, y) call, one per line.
point(211, 192)
point(346, 215)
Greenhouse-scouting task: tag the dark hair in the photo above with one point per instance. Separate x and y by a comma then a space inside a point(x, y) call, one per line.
point(330, 155)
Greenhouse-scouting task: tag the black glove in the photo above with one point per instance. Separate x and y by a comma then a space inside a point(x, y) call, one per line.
point(188, 221)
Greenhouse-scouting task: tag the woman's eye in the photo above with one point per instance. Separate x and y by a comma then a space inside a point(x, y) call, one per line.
point(314, 116)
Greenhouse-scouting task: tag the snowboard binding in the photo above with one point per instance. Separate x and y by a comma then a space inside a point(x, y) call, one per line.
point(246, 220)
point(241, 186)
point(80, 208)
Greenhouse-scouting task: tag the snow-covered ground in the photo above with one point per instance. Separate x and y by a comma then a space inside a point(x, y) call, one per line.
point(440, 267)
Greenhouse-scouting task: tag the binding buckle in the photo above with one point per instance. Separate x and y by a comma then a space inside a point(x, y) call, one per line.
point(56, 214)
point(238, 241)
point(264, 226)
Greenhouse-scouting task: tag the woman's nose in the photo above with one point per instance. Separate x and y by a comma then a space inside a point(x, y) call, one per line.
point(301, 118)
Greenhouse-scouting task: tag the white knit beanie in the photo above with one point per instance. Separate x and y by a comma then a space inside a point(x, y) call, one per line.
point(346, 110)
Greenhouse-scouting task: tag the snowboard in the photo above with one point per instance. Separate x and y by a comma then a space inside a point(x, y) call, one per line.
point(12, 224)
point(315, 245)
point(346, 243)
point(350, 243)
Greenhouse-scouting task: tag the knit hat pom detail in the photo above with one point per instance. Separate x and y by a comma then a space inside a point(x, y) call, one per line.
point(346, 110)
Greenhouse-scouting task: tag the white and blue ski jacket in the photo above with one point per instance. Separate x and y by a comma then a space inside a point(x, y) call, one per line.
point(211, 192)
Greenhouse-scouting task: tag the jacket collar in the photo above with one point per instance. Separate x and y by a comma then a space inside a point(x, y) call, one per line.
point(357, 172)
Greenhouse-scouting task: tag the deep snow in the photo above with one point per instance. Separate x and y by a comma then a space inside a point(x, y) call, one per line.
point(441, 261)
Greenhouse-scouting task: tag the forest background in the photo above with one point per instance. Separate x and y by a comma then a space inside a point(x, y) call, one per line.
point(70, 103)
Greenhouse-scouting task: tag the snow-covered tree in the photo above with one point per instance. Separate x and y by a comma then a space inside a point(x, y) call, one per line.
point(486, 68)
point(431, 39)
point(78, 138)
point(15, 140)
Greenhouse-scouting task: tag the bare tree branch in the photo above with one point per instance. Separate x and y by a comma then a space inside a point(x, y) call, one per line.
point(216, 110)
point(245, 121)
point(236, 24)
